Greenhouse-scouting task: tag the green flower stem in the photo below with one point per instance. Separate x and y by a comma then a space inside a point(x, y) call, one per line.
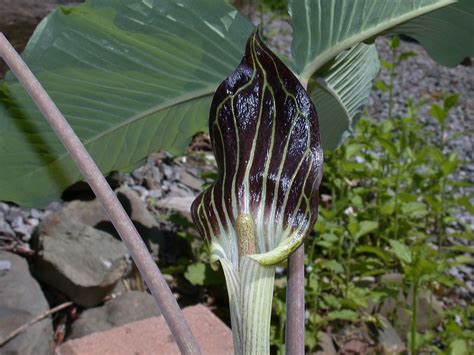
point(250, 289)
point(256, 300)
point(250, 292)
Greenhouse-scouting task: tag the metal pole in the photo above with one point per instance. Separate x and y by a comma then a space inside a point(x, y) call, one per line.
point(148, 269)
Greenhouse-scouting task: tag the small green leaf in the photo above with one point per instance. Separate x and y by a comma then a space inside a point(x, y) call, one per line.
point(381, 85)
point(394, 42)
point(366, 227)
point(387, 208)
point(329, 237)
point(353, 149)
point(438, 113)
point(401, 251)
point(387, 65)
point(389, 147)
point(334, 266)
point(414, 209)
point(450, 101)
point(405, 55)
point(196, 274)
point(344, 314)
point(379, 252)
point(449, 166)
point(459, 347)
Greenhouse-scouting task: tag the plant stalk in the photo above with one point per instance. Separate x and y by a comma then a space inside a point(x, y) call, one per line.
point(392, 84)
point(414, 319)
point(149, 270)
point(295, 307)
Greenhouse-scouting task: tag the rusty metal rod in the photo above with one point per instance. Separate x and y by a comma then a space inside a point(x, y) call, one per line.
point(148, 269)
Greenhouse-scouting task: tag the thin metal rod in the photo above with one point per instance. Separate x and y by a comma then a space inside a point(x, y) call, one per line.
point(148, 269)
point(295, 313)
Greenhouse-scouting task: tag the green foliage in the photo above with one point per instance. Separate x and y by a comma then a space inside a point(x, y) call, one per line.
point(388, 200)
point(278, 6)
point(383, 211)
point(135, 77)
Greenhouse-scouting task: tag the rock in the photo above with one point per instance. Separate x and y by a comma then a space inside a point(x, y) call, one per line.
point(179, 190)
point(81, 261)
point(128, 307)
point(21, 299)
point(5, 266)
point(4, 207)
point(23, 230)
point(17, 222)
point(190, 180)
point(167, 171)
point(34, 213)
point(14, 215)
point(152, 336)
point(153, 178)
point(92, 213)
point(429, 313)
point(388, 338)
point(5, 228)
point(326, 344)
point(354, 347)
point(182, 205)
point(160, 245)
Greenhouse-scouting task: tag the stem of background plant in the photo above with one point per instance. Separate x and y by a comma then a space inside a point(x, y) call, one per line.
point(295, 312)
point(392, 82)
point(124, 226)
point(439, 216)
point(391, 85)
point(414, 311)
point(397, 191)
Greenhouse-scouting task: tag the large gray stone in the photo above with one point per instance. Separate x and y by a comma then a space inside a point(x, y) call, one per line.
point(181, 205)
point(21, 299)
point(125, 308)
point(165, 247)
point(92, 213)
point(79, 260)
point(389, 340)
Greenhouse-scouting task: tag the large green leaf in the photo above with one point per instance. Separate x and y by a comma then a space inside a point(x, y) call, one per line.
point(324, 28)
point(447, 33)
point(130, 77)
point(341, 91)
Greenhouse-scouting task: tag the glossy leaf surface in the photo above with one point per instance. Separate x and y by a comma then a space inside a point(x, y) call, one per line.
point(265, 136)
